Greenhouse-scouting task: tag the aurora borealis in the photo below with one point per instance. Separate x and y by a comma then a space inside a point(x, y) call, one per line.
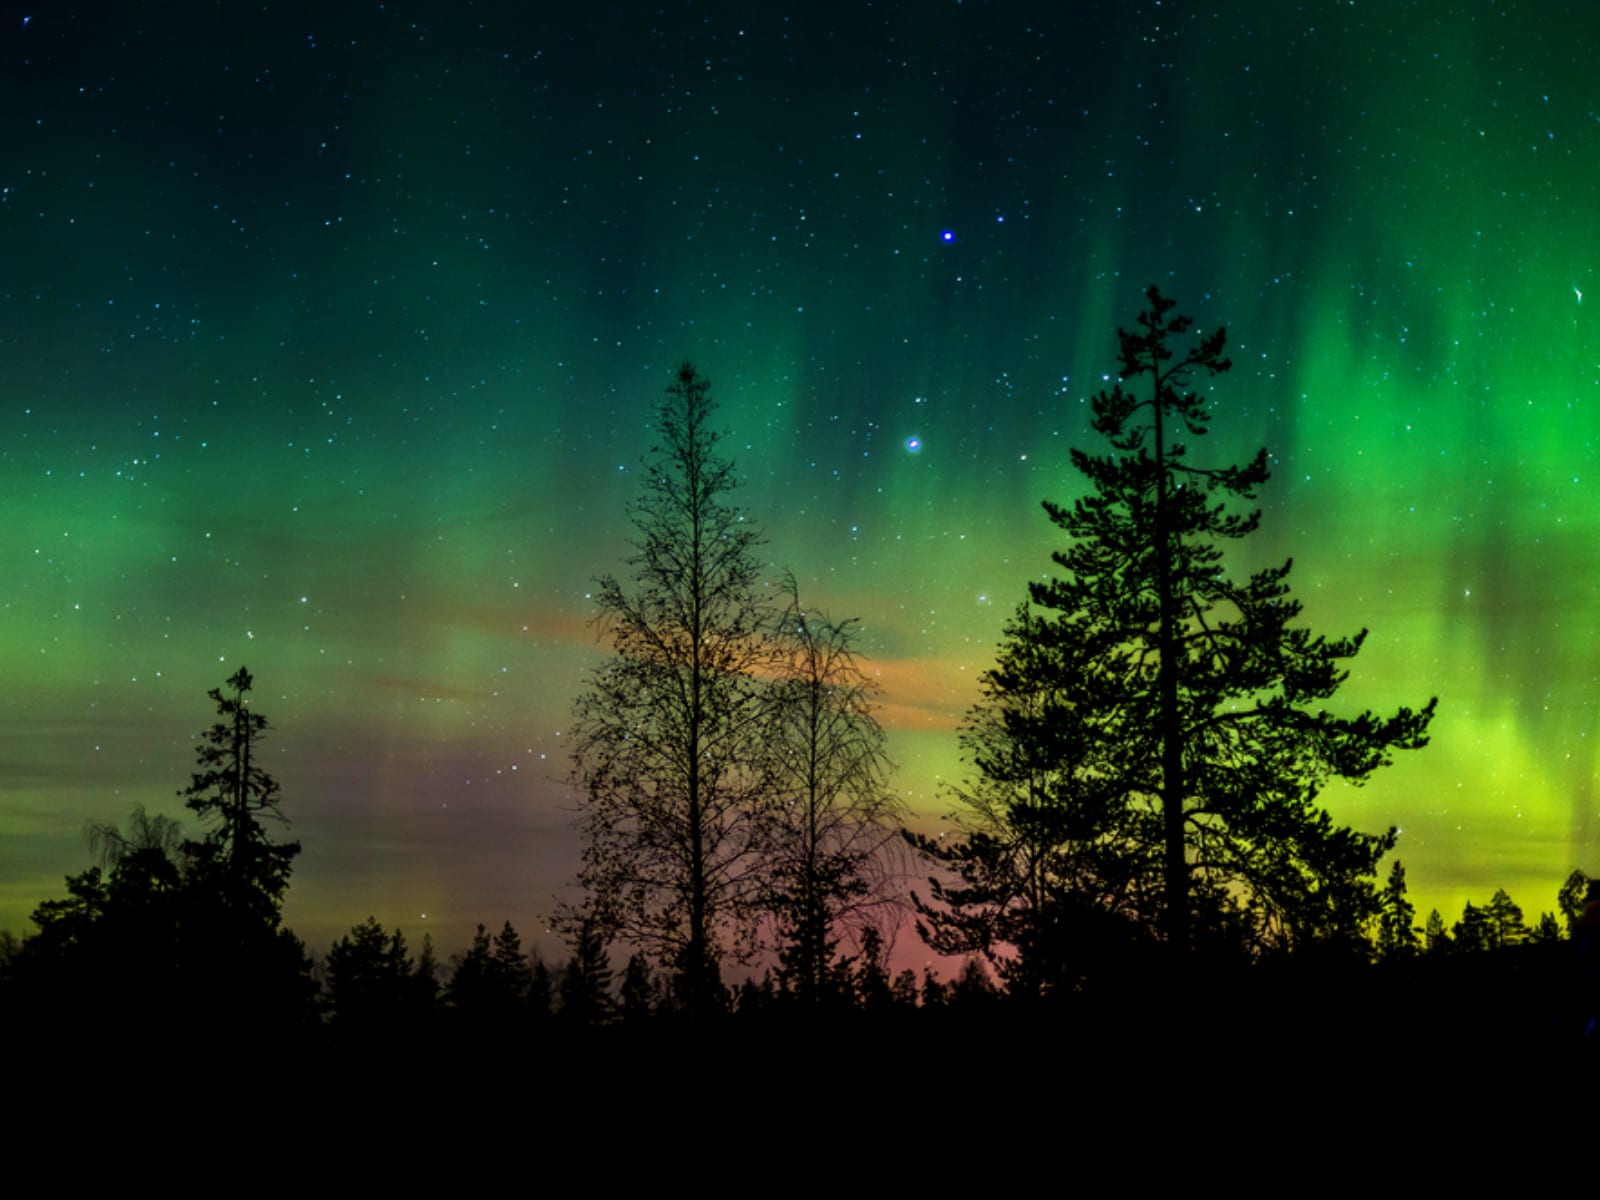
point(332, 335)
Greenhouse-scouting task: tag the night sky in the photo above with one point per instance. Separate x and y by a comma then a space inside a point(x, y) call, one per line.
point(331, 336)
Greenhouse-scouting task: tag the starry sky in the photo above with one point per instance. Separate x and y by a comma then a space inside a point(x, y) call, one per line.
point(332, 333)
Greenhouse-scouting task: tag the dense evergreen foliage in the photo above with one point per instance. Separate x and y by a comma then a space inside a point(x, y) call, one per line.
point(1151, 743)
point(181, 926)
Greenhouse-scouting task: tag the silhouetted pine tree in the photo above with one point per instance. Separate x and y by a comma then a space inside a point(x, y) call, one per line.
point(1472, 932)
point(370, 979)
point(873, 988)
point(176, 929)
point(512, 967)
point(638, 990)
point(493, 980)
point(245, 871)
point(1503, 923)
point(247, 966)
point(753, 1000)
point(903, 991)
point(1035, 881)
point(1397, 933)
point(425, 976)
point(1546, 931)
point(973, 991)
point(585, 989)
point(1570, 899)
point(1435, 938)
point(120, 944)
point(541, 989)
point(1159, 739)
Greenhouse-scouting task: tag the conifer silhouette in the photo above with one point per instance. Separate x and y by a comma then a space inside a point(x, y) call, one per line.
point(1152, 739)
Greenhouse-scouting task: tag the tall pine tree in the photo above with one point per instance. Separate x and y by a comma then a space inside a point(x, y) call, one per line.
point(1172, 711)
point(237, 875)
point(232, 795)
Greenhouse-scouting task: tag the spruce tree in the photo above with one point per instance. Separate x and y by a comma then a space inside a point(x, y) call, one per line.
point(494, 980)
point(585, 989)
point(1397, 933)
point(369, 978)
point(425, 977)
point(1474, 931)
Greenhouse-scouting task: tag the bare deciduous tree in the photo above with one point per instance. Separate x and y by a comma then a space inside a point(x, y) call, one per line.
point(834, 836)
point(668, 734)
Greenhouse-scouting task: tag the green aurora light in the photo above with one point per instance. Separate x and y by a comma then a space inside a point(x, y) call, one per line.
point(332, 334)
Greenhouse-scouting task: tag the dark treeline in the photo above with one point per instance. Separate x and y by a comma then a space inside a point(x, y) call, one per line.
point(169, 936)
point(133, 946)
point(1137, 852)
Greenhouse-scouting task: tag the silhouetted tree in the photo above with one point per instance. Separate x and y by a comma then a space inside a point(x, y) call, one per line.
point(246, 872)
point(10, 955)
point(122, 942)
point(370, 979)
point(973, 990)
point(873, 988)
point(1570, 899)
point(1435, 938)
point(1546, 931)
point(174, 929)
point(110, 844)
point(491, 982)
point(668, 734)
point(1181, 709)
point(753, 1000)
point(585, 988)
point(638, 991)
point(425, 976)
point(495, 983)
point(1503, 924)
point(66, 925)
point(510, 964)
point(1472, 932)
point(834, 821)
point(1037, 881)
point(541, 988)
point(1397, 933)
point(903, 990)
point(236, 876)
